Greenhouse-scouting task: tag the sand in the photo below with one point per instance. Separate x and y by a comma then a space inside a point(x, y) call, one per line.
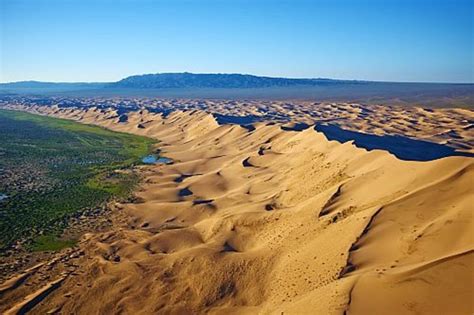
point(267, 220)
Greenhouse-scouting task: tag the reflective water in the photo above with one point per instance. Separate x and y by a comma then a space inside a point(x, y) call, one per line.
point(153, 159)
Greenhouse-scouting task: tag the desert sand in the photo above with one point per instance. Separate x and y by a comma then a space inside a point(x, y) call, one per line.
point(270, 220)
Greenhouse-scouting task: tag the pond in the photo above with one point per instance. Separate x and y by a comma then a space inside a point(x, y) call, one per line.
point(153, 159)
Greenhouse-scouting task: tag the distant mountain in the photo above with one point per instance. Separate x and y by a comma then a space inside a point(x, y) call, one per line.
point(178, 81)
point(50, 85)
point(244, 86)
point(215, 80)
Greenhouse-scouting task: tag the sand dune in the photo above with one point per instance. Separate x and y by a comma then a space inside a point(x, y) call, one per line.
point(268, 220)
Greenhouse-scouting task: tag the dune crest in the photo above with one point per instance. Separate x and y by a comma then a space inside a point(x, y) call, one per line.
point(267, 220)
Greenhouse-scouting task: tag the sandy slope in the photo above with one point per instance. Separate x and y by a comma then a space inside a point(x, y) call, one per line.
point(452, 127)
point(268, 221)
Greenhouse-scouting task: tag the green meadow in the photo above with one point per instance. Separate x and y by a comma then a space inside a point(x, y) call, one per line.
point(52, 168)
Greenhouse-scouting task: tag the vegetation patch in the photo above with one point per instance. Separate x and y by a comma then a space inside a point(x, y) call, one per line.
point(50, 243)
point(52, 168)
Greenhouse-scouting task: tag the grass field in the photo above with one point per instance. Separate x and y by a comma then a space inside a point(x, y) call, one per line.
point(51, 168)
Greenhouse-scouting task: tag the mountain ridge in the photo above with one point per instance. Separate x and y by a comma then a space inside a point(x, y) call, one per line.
point(217, 80)
point(186, 80)
point(176, 80)
point(244, 86)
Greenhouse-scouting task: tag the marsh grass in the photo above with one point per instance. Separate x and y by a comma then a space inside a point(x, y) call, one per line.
point(50, 243)
point(52, 168)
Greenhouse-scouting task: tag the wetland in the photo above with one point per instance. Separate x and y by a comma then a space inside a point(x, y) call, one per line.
point(51, 169)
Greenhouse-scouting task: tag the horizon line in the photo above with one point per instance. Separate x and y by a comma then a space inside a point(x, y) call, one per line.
point(238, 73)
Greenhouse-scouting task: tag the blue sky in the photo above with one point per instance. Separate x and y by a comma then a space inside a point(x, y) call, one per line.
point(106, 40)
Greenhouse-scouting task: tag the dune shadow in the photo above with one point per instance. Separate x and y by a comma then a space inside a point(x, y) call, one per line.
point(295, 127)
point(403, 148)
point(123, 118)
point(244, 121)
point(236, 120)
point(202, 201)
point(182, 177)
point(185, 192)
point(246, 163)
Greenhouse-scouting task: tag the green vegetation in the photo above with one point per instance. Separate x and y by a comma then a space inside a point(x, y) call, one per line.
point(51, 168)
point(50, 243)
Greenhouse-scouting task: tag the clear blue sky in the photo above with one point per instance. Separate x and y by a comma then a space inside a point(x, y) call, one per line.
point(106, 40)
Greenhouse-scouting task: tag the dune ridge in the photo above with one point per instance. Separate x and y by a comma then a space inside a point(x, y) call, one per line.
point(267, 220)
